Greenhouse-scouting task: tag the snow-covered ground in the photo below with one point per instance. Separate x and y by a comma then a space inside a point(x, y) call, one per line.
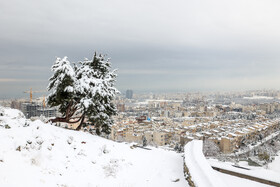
point(258, 172)
point(275, 165)
point(232, 181)
point(202, 173)
point(39, 154)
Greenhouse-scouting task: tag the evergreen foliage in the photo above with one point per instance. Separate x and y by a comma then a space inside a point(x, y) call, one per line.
point(61, 84)
point(84, 91)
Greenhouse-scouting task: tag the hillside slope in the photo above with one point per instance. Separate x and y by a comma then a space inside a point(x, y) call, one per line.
point(39, 154)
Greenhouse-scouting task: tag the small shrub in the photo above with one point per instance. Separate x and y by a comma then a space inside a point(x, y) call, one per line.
point(7, 126)
point(18, 148)
point(264, 156)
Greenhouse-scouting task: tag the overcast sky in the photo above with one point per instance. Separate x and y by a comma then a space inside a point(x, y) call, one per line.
point(178, 45)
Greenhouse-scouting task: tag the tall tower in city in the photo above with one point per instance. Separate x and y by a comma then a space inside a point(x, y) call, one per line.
point(129, 94)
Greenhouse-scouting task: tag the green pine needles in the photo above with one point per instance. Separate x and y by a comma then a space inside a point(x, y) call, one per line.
point(84, 92)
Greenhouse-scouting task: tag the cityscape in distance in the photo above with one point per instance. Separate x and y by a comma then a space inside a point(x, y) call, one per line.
point(140, 93)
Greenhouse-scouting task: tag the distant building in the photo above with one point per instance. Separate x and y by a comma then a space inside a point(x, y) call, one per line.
point(141, 119)
point(129, 94)
point(121, 107)
point(16, 104)
point(35, 110)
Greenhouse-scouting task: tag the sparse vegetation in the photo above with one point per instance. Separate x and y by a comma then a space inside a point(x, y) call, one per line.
point(264, 156)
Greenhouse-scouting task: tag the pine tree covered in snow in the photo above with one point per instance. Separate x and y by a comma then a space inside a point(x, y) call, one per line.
point(87, 94)
point(95, 85)
point(62, 87)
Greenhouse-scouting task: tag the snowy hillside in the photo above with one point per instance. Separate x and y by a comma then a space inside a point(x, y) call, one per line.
point(39, 154)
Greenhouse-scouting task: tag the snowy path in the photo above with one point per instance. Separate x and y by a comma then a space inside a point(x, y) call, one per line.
point(201, 172)
point(203, 175)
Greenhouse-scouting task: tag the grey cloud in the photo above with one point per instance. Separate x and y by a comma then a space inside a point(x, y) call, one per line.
point(156, 45)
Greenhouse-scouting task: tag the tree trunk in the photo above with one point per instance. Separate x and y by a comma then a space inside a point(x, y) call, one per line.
point(66, 120)
point(81, 123)
point(57, 119)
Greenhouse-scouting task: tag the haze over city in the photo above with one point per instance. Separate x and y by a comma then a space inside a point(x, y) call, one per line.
point(156, 45)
